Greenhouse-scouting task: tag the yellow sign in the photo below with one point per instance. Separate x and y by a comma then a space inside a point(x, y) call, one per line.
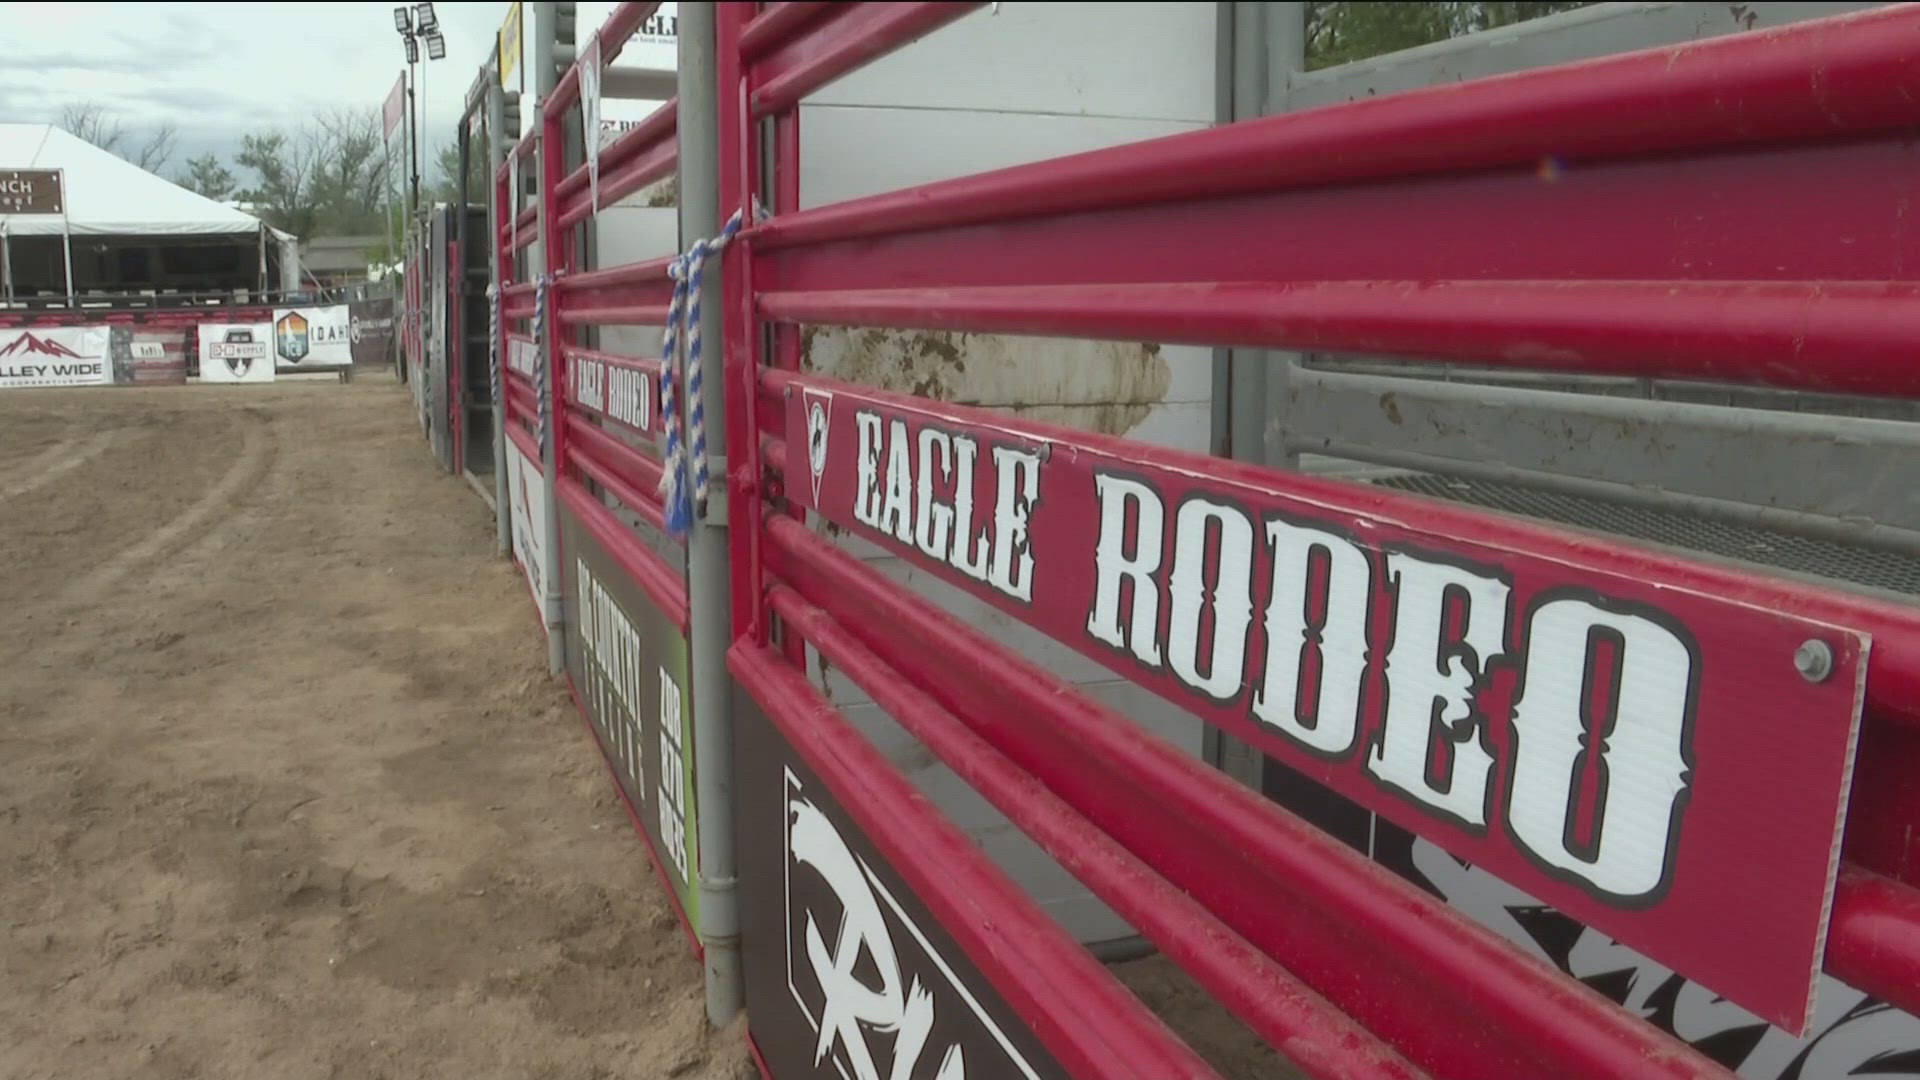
point(509, 44)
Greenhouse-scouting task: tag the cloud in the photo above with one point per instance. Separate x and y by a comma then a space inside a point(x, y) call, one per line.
point(220, 71)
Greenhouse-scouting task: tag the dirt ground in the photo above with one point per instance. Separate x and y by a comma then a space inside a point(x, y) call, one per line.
point(285, 790)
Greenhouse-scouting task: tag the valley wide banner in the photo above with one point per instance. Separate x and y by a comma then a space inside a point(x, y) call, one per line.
point(236, 352)
point(54, 356)
point(312, 338)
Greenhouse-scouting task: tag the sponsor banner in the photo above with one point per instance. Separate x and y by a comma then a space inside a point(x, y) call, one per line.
point(1644, 758)
point(236, 352)
point(847, 973)
point(509, 62)
point(394, 108)
point(527, 509)
point(1852, 1034)
point(622, 392)
point(312, 338)
point(523, 358)
point(660, 28)
point(32, 191)
point(54, 356)
point(148, 355)
point(628, 662)
point(370, 330)
point(590, 113)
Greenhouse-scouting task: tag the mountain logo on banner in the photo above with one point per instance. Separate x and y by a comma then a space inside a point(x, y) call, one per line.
point(28, 343)
point(819, 415)
point(290, 336)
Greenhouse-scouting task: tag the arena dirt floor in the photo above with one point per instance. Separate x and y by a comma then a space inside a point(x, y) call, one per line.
point(285, 790)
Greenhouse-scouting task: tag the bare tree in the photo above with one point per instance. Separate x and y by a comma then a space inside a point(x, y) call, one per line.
point(154, 153)
point(91, 121)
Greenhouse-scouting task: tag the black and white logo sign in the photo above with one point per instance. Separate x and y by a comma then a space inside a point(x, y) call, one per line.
point(884, 1004)
point(819, 412)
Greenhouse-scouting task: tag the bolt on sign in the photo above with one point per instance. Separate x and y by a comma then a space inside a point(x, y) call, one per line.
point(1644, 757)
point(628, 665)
point(32, 191)
point(847, 972)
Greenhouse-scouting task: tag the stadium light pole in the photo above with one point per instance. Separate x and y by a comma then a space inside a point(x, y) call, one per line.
point(416, 24)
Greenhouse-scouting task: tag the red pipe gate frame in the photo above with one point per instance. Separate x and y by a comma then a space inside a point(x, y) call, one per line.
point(1660, 747)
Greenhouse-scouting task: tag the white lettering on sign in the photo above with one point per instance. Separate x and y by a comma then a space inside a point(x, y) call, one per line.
point(523, 357)
point(855, 958)
point(620, 393)
point(613, 644)
point(1599, 766)
point(926, 499)
point(673, 777)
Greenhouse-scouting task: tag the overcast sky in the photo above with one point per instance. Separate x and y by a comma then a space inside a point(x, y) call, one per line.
point(218, 71)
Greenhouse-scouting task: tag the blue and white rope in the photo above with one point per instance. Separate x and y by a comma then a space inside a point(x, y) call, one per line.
point(543, 393)
point(493, 345)
point(679, 496)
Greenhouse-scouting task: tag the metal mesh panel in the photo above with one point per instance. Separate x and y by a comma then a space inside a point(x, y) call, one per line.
point(1817, 558)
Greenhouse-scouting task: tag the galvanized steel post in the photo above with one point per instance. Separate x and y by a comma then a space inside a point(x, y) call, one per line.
point(497, 146)
point(708, 597)
point(543, 256)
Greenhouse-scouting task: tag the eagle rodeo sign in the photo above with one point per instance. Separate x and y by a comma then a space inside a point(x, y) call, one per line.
point(1645, 758)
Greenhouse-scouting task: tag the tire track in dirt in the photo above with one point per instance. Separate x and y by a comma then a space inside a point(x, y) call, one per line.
point(56, 461)
point(257, 452)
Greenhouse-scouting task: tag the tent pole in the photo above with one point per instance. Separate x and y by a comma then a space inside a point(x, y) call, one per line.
point(66, 243)
point(6, 264)
point(263, 259)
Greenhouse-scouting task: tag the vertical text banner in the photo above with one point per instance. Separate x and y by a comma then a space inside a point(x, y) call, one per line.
point(394, 108)
point(590, 117)
point(628, 664)
point(510, 51)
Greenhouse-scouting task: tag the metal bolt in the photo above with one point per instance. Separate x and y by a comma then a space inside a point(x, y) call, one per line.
point(1813, 660)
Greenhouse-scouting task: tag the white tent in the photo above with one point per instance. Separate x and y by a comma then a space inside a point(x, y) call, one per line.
point(107, 196)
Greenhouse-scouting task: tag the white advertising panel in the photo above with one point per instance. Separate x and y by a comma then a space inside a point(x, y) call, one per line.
point(527, 506)
point(312, 338)
point(236, 352)
point(54, 356)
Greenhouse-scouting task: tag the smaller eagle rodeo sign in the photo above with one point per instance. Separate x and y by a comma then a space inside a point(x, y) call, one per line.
point(1636, 752)
point(54, 356)
point(236, 352)
point(312, 338)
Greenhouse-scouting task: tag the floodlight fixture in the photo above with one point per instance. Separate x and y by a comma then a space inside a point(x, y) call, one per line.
point(436, 47)
point(425, 19)
point(403, 19)
point(413, 50)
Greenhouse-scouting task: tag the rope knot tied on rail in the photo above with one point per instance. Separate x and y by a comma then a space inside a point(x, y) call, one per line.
point(494, 301)
point(543, 393)
point(680, 496)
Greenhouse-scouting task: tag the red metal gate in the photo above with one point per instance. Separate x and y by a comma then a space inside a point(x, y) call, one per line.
point(1705, 762)
point(1622, 216)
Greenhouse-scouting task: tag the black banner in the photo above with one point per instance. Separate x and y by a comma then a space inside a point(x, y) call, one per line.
point(628, 662)
point(370, 330)
point(833, 939)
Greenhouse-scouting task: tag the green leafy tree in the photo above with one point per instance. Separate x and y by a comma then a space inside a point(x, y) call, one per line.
point(206, 175)
point(1341, 32)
